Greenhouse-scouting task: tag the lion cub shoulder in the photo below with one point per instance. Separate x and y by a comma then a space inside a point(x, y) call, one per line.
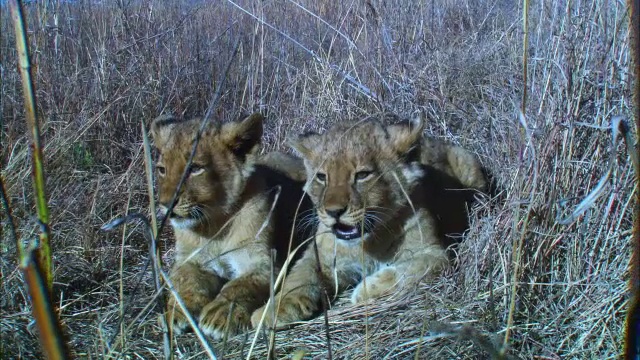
point(233, 208)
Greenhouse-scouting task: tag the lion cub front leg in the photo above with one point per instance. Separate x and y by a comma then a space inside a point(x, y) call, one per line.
point(299, 298)
point(231, 311)
point(401, 275)
point(376, 284)
point(301, 295)
point(415, 260)
point(196, 287)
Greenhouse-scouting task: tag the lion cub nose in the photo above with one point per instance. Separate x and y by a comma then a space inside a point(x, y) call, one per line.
point(336, 213)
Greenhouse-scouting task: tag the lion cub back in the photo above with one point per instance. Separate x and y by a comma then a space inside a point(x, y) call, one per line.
point(289, 165)
point(453, 177)
point(285, 177)
point(455, 161)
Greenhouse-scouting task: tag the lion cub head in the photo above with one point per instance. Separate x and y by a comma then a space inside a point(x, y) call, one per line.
point(222, 163)
point(360, 175)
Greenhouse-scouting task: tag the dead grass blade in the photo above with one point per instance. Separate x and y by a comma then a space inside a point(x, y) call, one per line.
point(324, 296)
point(617, 124)
point(278, 281)
point(271, 352)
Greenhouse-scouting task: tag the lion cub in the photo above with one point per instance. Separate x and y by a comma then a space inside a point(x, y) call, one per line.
point(385, 197)
point(223, 221)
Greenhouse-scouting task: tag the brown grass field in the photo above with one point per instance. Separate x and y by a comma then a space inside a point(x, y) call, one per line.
point(103, 67)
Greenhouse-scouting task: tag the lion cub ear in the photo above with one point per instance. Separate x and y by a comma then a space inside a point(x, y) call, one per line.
point(304, 144)
point(404, 136)
point(161, 128)
point(243, 137)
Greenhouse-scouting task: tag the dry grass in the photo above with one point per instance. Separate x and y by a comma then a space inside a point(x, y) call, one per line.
point(101, 68)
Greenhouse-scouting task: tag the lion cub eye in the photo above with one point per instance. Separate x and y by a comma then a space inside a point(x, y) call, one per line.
point(363, 175)
point(195, 170)
point(320, 177)
point(161, 170)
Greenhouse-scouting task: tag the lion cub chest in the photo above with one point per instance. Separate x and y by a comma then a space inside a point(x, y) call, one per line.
point(218, 256)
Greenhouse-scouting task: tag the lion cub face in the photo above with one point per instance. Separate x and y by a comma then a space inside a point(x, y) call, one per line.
point(217, 176)
point(360, 175)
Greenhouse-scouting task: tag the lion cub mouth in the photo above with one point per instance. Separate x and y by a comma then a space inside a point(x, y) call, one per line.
point(178, 221)
point(347, 232)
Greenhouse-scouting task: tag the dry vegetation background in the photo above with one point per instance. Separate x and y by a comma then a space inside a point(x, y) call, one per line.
point(102, 68)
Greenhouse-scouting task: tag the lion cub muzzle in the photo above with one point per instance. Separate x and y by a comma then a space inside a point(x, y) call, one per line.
point(345, 223)
point(182, 216)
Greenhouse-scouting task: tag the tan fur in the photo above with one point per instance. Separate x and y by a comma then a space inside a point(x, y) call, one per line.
point(289, 165)
point(222, 221)
point(403, 190)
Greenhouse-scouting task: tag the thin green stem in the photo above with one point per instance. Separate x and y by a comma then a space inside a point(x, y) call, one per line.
point(43, 251)
point(51, 336)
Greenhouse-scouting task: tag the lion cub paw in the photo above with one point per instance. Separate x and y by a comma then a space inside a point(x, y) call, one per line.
point(215, 315)
point(292, 308)
point(176, 319)
point(377, 284)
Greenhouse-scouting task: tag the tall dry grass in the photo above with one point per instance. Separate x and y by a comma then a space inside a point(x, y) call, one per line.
point(101, 68)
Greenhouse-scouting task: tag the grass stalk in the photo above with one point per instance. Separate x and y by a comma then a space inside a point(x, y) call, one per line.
point(525, 53)
point(324, 296)
point(43, 251)
point(518, 251)
point(52, 338)
point(154, 252)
